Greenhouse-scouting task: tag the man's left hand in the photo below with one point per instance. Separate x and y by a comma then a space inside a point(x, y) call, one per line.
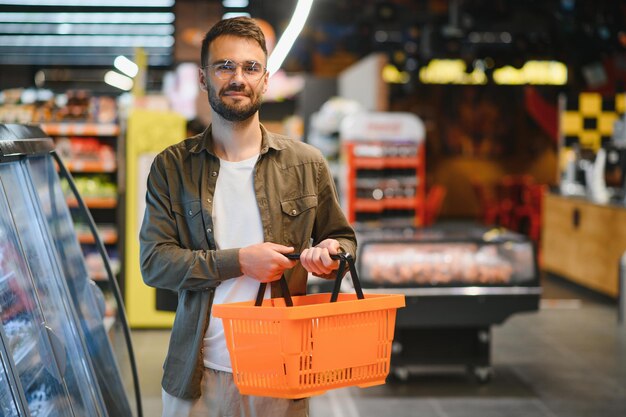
point(317, 259)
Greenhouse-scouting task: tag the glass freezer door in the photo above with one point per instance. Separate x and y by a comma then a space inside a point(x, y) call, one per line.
point(8, 396)
point(46, 342)
point(86, 296)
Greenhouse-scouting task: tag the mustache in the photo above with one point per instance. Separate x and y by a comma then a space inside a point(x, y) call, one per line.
point(235, 89)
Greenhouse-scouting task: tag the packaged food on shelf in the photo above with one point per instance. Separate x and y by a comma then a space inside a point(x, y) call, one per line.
point(86, 154)
point(43, 106)
point(93, 186)
point(95, 265)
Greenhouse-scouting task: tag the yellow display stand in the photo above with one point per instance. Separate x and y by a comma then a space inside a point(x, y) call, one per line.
point(148, 133)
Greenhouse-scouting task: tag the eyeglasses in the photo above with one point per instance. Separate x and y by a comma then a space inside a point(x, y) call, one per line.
point(224, 70)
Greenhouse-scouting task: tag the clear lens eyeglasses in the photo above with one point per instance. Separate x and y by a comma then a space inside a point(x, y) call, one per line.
point(224, 70)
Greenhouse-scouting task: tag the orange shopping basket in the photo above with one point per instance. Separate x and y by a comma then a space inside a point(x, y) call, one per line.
point(295, 347)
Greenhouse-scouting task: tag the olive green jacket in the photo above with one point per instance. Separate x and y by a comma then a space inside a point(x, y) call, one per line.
point(298, 205)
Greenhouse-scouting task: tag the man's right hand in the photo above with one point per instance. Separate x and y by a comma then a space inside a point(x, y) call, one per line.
point(266, 261)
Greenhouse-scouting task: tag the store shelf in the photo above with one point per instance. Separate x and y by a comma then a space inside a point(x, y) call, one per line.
point(376, 206)
point(398, 162)
point(98, 273)
point(81, 129)
point(385, 168)
point(95, 202)
point(91, 167)
point(108, 238)
point(377, 176)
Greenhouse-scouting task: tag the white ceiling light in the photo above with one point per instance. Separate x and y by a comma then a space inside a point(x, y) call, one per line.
point(108, 18)
point(287, 39)
point(234, 4)
point(90, 3)
point(231, 15)
point(118, 80)
point(88, 41)
point(126, 66)
point(86, 29)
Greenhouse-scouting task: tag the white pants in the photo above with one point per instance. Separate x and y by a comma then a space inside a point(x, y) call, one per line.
point(221, 398)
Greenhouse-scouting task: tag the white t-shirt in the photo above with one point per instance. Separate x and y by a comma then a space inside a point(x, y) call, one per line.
point(236, 224)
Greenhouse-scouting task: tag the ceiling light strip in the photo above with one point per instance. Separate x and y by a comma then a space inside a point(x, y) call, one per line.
point(71, 60)
point(232, 15)
point(100, 18)
point(85, 29)
point(234, 4)
point(86, 40)
point(90, 3)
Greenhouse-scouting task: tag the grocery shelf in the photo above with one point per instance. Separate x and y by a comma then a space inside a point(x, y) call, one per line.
point(91, 167)
point(95, 202)
point(385, 167)
point(398, 162)
point(108, 238)
point(375, 206)
point(81, 129)
point(381, 179)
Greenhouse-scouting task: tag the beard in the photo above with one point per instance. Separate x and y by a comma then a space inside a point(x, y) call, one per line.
point(236, 112)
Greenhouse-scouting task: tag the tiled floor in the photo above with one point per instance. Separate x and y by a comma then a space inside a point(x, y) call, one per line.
point(567, 360)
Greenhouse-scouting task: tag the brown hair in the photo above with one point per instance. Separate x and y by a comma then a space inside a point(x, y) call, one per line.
point(243, 27)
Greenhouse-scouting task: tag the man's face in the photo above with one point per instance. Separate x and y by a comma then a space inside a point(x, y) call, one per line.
point(238, 97)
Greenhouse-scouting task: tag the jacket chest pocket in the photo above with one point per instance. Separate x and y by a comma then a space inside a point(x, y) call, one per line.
point(298, 217)
point(190, 224)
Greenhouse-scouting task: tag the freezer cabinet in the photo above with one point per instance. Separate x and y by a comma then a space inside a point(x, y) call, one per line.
point(458, 283)
point(49, 314)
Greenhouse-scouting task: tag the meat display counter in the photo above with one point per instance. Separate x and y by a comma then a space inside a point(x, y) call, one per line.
point(457, 285)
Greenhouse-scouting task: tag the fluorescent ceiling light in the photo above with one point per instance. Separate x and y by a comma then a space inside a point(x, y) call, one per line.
point(234, 4)
point(118, 80)
point(86, 40)
point(90, 3)
point(86, 29)
point(231, 15)
point(103, 18)
point(287, 39)
point(126, 66)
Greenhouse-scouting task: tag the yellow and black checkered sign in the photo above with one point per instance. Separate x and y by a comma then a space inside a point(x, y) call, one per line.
point(588, 119)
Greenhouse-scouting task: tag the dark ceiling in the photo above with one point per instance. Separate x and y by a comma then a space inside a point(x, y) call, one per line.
point(577, 32)
point(580, 33)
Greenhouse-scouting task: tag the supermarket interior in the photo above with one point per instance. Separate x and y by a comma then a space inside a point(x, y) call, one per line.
point(477, 149)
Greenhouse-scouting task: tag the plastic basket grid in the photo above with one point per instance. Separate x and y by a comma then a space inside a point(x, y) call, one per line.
point(318, 348)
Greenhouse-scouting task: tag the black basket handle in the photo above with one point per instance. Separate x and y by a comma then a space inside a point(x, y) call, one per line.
point(343, 258)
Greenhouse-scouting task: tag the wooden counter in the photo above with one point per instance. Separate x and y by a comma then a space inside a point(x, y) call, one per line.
point(583, 242)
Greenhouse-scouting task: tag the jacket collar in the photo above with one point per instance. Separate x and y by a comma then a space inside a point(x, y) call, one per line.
point(204, 141)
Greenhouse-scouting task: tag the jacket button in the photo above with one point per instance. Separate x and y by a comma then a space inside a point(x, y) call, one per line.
point(208, 200)
point(190, 212)
point(294, 212)
point(214, 174)
point(209, 230)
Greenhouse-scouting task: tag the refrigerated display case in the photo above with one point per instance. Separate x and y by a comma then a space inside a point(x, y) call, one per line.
point(55, 344)
point(457, 283)
point(11, 405)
